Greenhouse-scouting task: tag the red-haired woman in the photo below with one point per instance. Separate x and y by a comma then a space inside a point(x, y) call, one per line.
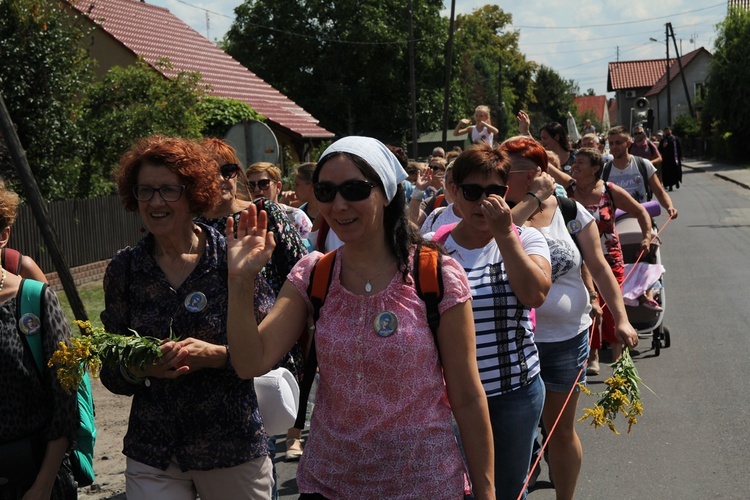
point(194, 425)
point(563, 321)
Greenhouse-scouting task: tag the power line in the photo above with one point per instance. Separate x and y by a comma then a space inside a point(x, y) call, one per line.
point(603, 25)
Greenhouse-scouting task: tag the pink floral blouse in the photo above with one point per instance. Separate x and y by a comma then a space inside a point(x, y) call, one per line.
point(381, 427)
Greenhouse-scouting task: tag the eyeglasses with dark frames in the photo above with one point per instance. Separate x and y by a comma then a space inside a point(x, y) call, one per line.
point(355, 190)
point(229, 170)
point(472, 192)
point(168, 192)
point(262, 184)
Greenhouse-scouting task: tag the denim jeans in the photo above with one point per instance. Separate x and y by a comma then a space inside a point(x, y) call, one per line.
point(514, 417)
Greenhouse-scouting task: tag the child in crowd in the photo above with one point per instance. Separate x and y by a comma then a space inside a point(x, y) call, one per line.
point(482, 131)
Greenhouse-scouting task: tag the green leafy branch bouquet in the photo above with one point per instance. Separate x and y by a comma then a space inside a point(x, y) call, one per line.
point(95, 347)
point(621, 396)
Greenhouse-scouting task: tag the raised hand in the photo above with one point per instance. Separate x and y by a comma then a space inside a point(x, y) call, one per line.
point(498, 216)
point(524, 122)
point(424, 178)
point(251, 249)
point(542, 185)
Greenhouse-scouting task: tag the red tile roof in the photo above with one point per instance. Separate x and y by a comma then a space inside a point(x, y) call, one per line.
point(649, 73)
point(592, 103)
point(635, 74)
point(153, 32)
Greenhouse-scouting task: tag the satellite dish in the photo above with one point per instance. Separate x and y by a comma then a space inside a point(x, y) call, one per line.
point(253, 141)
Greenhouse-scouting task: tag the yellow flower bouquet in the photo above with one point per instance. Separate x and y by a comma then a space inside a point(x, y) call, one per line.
point(96, 346)
point(621, 396)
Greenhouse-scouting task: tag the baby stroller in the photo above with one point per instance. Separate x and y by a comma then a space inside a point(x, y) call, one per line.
point(646, 321)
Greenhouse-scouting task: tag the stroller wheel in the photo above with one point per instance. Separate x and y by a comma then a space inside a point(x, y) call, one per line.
point(667, 340)
point(656, 342)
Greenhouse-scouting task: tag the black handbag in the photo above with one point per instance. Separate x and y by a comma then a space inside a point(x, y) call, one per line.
point(20, 461)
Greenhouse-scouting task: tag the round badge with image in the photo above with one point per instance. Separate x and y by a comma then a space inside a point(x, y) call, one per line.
point(385, 323)
point(196, 302)
point(574, 226)
point(29, 324)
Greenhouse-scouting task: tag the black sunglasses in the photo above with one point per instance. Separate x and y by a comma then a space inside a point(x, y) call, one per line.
point(261, 184)
point(437, 167)
point(325, 192)
point(472, 192)
point(229, 170)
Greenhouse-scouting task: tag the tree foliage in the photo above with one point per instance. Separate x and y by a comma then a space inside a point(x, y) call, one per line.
point(490, 68)
point(44, 74)
point(554, 97)
point(726, 113)
point(128, 104)
point(219, 114)
point(345, 63)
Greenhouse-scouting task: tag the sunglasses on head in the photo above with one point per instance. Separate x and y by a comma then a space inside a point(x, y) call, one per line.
point(261, 184)
point(229, 170)
point(325, 192)
point(472, 192)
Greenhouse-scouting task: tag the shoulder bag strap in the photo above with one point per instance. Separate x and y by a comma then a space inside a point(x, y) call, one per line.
point(29, 301)
point(320, 280)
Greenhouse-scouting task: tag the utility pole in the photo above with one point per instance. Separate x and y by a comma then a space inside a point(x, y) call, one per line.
point(682, 73)
point(413, 85)
point(448, 62)
point(669, 93)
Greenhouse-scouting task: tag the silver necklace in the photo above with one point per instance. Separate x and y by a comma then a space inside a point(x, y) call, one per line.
point(2, 280)
point(368, 281)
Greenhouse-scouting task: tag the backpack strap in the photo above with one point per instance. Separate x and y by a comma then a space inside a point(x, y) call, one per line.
point(11, 260)
point(428, 281)
point(322, 234)
point(607, 170)
point(569, 210)
point(317, 290)
point(442, 233)
point(29, 302)
point(641, 164)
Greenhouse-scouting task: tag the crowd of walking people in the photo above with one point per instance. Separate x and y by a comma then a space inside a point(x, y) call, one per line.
point(444, 393)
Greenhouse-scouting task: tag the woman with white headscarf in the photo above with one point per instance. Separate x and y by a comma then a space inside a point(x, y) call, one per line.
point(382, 422)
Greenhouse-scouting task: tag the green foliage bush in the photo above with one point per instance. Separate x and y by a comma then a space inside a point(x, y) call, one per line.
point(219, 114)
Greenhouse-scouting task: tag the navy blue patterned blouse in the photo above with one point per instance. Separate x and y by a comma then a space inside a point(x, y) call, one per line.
point(207, 419)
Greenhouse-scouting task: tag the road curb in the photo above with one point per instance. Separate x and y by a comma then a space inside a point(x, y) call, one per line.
point(741, 184)
point(720, 176)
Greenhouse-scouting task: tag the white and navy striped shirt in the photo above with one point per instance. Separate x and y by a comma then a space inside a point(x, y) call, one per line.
point(506, 353)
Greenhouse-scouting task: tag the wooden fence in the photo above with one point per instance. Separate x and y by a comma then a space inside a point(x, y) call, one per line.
point(88, 231)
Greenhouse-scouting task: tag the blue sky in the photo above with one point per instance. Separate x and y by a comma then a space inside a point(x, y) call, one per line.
point(577, 38)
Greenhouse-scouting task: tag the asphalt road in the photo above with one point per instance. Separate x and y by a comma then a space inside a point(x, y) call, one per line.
point(693, 441)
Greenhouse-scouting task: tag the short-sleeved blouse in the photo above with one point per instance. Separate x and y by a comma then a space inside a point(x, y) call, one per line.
point(382, 423)
point(208, 418)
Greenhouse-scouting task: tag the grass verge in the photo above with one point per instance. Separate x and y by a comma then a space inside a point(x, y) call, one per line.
point(92, 295)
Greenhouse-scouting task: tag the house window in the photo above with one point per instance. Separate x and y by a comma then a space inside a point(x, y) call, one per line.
point(700, 90)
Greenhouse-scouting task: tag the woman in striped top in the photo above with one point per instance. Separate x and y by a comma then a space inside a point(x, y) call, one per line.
point(509, 273)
